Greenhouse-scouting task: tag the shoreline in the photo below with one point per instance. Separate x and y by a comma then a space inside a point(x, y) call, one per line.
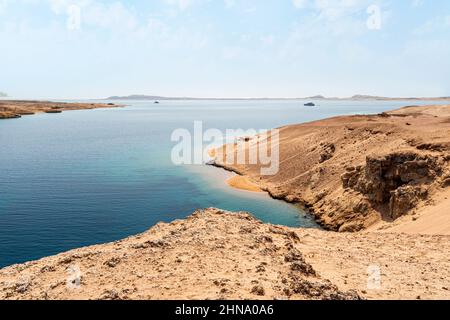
point(435, 118)
point(243, 184)
point(261, 186)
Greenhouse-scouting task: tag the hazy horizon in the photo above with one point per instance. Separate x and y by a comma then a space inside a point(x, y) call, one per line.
point(93, 49)
point(325, 97)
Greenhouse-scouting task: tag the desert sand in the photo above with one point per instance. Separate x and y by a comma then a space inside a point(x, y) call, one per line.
point(215, 254)
point(10, 109)
point(389, 171)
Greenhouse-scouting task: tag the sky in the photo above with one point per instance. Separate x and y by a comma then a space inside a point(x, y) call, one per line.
point(75, 49)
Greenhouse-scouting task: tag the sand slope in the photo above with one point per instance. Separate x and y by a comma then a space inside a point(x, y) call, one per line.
point(430, 219)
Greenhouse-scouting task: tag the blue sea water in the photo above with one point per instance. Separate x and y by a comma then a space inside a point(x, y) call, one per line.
point(92, 176)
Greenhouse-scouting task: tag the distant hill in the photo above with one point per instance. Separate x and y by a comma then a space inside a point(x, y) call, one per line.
point(145, 97)
point(3, 95)
point(368, 97)
point(317, 97)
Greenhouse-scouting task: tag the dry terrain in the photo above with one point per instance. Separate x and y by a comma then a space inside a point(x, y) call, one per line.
point(10, 109)
point(390, 170)
point(215, 254)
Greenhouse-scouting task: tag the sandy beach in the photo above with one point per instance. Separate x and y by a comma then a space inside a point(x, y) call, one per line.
point(243, 183)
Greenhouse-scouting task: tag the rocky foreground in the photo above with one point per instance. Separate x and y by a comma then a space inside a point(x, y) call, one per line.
point(386, 171)
point(10, 109)
point(215, 254)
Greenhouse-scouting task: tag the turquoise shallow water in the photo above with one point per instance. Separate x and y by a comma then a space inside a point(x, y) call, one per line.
point(85, 177)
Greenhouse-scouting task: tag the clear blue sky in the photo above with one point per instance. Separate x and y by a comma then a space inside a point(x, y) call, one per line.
point(224, 48)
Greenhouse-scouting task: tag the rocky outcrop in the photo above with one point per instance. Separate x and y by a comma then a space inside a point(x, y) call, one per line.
point(397, 180)
point(328, 150)
point(53, 111)
point(8, 115)
point(446, 180)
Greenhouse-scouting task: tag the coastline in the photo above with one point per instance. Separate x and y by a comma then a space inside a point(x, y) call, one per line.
point(425, 151)
point(14, 109)
point(243, 258)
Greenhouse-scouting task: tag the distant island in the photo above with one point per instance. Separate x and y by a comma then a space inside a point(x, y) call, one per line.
point(13, 109)
point(368, 97)
point(3, 95)
point(358, 97)
point(146, 97)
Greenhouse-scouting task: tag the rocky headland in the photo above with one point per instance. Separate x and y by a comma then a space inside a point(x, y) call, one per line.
point(364, 171)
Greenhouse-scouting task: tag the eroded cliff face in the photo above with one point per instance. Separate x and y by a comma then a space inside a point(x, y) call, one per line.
point(398, 181)
point(352, 172)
